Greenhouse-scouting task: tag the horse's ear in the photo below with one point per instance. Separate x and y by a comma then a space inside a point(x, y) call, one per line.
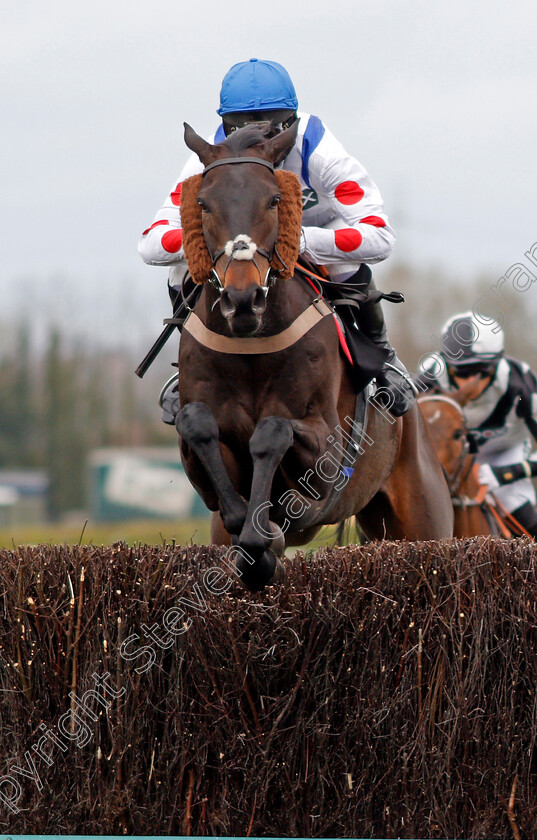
point(279, 146)
point(197, 144)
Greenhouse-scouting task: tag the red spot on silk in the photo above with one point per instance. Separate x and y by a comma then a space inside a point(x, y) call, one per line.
point(156, 224)
point(176, 195)
point(349, 192)
point(373, 220)
point(172, 241)
point(348, 239)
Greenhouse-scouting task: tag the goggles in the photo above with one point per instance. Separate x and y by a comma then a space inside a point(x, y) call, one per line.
point(483, 369)
point(279, 120)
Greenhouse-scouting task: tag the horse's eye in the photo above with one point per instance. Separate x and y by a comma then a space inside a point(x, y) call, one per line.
point(458, 434)
point(275, 201)
point(203, 205)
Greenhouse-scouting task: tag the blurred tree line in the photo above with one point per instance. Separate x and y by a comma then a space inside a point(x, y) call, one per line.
point(431, 297)
point(65, 400)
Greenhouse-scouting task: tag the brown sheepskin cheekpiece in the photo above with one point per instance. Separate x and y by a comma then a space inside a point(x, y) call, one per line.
point(289, 226)
point(196, 253)
point(289, 222)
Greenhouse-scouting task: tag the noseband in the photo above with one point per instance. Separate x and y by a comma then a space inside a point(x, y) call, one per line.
point(242, 247)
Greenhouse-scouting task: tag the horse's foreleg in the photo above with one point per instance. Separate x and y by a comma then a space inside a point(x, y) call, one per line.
point(219, 535)
point(198, 428)
point(272, 437)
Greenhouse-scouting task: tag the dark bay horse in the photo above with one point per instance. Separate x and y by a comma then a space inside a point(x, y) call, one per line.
point(267, 401)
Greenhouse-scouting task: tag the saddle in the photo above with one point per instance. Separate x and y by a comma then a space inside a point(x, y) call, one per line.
point(347, 299)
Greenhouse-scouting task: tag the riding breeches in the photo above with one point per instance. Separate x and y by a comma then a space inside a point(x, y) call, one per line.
point(177, 274)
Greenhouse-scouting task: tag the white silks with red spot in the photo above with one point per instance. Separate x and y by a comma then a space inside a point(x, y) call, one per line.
point(344, 223)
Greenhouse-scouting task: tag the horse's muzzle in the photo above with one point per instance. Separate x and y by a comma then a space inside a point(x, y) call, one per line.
point(243, 308)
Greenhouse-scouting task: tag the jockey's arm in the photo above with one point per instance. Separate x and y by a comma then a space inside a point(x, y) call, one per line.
point(362, 231)
point(527, 409)
point(162, 242)
point(527, 406)
point(495, 477)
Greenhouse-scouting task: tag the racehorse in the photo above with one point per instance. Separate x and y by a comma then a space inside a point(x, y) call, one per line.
point(447, 427)
point(476, 511)
point(267, 421)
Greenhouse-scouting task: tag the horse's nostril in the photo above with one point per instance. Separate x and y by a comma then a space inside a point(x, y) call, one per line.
point(227, 307)
point(259, 301)
point(243, 303)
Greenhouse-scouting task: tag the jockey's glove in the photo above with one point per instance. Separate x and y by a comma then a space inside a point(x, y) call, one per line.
point(495, 477)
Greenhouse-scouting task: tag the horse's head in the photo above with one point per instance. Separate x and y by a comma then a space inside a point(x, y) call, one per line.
point(469, 388)
point(448, 431)
point(239, 197)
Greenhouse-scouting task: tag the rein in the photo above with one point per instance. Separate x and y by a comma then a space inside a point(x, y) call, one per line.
point(507, 522)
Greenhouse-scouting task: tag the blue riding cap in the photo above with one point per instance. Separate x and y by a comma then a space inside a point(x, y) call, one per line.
point(257, 85)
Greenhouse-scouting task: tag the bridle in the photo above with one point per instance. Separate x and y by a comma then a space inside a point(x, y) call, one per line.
point(235, 248)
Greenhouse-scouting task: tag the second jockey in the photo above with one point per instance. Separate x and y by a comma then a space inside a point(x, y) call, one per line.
point(499, 407)
point(344, 228)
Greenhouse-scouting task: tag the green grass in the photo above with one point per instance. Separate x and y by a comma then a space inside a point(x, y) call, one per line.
point(152, 532)
point(132, 532)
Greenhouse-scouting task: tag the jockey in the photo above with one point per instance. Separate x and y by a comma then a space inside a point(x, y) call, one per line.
point(344, 224)
point(499, 405)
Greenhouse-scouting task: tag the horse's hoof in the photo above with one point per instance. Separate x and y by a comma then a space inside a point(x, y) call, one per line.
point(267, 570)
point(279, 573)
point(277, 545)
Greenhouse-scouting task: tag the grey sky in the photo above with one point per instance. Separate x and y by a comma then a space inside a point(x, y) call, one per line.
point(436, 100)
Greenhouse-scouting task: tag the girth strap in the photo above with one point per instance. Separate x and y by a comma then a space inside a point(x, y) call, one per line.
point(264, 344)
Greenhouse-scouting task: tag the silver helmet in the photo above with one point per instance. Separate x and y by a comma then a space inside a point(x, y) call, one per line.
point(471, 346)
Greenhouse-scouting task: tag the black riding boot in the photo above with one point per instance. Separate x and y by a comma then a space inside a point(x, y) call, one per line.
point(394, 376)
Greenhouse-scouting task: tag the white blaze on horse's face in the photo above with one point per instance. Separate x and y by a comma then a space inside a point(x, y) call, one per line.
point(244, 250)
point(240, 248)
